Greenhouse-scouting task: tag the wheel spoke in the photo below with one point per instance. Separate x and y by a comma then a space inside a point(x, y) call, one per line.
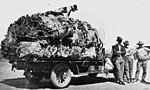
point(60, 76)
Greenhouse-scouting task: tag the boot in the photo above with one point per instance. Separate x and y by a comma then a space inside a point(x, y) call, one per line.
point(131, 80)
point(128, 80)
point(143, 81)
point(136, 80)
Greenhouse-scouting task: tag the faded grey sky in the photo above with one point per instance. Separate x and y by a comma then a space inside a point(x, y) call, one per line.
point(127, 18)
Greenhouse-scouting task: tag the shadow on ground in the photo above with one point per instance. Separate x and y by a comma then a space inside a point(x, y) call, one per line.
point(146, 82)
point(85, 80)
point(24, 84)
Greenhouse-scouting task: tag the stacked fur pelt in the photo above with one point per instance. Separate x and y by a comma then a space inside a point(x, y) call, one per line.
point(50, 34)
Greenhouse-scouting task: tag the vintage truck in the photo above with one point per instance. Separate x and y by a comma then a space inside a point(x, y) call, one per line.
point(52, 46)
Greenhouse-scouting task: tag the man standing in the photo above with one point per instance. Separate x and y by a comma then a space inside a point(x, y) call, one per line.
point(117, 60)
point(128, 62)
point(142, 56)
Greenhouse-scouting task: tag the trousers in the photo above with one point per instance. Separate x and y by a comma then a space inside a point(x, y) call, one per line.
point(118, 63)
point(128, 67)
point(143, 64)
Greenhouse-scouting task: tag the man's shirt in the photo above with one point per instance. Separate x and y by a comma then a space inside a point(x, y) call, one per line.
point(142, 53)
point(130, 53)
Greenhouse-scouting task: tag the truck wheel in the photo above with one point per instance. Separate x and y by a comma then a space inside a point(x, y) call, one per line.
point(61, 75)
point(34, 77)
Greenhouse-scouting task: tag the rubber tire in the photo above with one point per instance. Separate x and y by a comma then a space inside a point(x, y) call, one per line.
point(58, 71)
point(34, 78)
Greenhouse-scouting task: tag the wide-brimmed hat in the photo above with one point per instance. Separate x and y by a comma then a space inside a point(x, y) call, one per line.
point(119, 38)
point(140, 43)
point(126, 42)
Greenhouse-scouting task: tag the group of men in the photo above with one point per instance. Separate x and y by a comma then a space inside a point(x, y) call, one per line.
point(122, 59)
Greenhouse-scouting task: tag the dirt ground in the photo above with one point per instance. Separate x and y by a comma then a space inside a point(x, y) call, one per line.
point(10, 80)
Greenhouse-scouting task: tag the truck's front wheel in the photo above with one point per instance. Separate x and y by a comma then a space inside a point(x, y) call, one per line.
point(34, 77)
point(61, 75)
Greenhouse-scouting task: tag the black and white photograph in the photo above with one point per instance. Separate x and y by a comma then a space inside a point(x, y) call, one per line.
point(74, 44)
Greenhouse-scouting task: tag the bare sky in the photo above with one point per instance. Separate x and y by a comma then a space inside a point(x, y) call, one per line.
point(127, 18)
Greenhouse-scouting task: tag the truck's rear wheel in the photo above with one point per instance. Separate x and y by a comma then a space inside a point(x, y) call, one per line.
point(61, 75)
point(34, 77)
